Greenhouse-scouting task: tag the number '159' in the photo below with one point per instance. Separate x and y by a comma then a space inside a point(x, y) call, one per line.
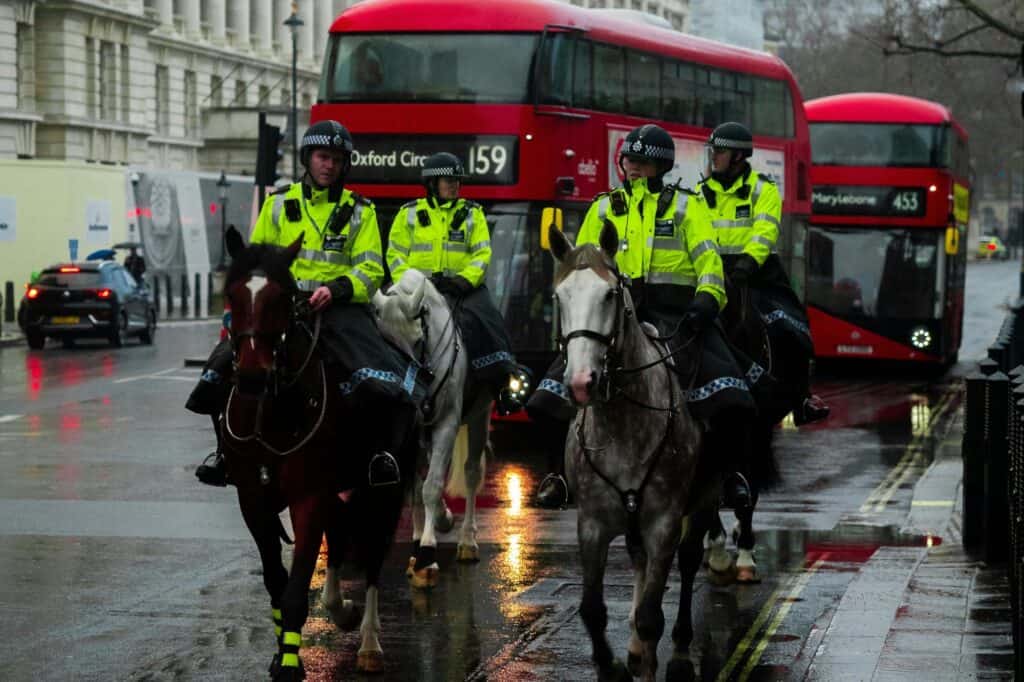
point(486, 159)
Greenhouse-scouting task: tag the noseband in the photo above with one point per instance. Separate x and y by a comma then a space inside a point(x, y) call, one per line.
point(610, 341)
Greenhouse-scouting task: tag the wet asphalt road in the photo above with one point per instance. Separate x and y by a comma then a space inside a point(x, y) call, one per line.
point(116, 564)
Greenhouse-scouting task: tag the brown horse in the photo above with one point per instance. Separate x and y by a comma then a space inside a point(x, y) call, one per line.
point(288, 443)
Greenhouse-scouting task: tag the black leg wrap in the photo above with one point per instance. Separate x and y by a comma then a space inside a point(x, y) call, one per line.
point(425, 556)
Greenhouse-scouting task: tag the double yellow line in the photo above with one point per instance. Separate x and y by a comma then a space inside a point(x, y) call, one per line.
point(913, 456)
point(787, 594)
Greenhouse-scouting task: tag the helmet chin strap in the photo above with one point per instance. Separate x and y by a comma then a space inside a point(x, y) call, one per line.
point(728, 176)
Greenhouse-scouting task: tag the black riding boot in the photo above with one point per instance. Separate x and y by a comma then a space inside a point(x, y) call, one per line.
point(213, 470)
point(553, 491)
point(728, 442)
point(808, 408)
point(384, 468)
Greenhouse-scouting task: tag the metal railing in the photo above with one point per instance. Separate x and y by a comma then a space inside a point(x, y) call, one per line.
point(993, 457)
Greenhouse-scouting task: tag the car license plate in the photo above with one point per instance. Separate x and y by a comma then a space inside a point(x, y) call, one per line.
point(65, 319)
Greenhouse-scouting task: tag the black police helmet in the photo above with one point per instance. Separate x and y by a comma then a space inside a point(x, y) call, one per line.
point(442, 165)
point(650, 142)
point(325, 135)
point(735, 136)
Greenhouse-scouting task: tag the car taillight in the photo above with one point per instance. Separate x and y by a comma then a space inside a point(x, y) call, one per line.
point(103, 293)
point(32, 292)
point(991, 246)
point(70, 269)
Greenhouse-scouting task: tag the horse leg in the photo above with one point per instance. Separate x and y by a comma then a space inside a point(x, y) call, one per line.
point(370, 658)
point(308, 521)
point(418, 518)
point(743, 533)
point(425, 574)
point(634, 653)
point(660, 542)
point(689, 555)
point(476, 464)
point(594, 558)
point(717, 558)
point(343, 612)
point(263, 525)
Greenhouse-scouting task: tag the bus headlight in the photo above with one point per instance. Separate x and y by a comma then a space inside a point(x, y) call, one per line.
point(920, 338)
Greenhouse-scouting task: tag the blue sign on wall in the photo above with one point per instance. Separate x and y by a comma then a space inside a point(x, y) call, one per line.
point(73, 248)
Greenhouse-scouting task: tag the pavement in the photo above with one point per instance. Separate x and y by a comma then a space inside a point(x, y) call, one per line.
point(923, 613)
point(10, 334)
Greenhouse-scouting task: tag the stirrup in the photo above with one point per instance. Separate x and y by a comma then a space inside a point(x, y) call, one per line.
point(736, 491)
point(383, 470)
point(811, 409)
point(553, 492)
point(212, 470)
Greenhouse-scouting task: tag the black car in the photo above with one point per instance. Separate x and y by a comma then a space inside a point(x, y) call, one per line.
point(97, 299)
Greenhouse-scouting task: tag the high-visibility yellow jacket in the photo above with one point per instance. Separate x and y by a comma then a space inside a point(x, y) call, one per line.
point(450, 238)
point(352, 249)
point(746, 216)
point(675, 245)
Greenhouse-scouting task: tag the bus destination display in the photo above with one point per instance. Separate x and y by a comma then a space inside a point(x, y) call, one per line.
point(396, 159)
point(860, 200)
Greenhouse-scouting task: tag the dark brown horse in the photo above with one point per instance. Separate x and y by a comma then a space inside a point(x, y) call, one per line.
point(289, 444)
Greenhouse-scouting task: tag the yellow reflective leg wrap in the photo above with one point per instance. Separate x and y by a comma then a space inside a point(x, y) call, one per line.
point(278, 619)
point(289, 660)
point(292, 639)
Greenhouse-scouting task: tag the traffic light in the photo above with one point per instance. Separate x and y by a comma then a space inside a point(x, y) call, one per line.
point(268, 154)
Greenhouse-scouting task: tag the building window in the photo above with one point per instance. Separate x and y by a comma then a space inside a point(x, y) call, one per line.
point(108, 81)
point(163, 101)
point(91, 107)
point(26, 67)
point(216, 91)
point(126, 100)
point(240, 92)
point(264, 96)
point(286, 97)
point(191, 105)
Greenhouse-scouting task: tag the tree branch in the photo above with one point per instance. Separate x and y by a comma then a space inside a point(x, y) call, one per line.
point(905, 48)
point(950, 41)
point(1000, 26)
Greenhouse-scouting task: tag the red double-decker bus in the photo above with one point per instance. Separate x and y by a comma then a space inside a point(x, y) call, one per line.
point(536, 97)
point(886, 249)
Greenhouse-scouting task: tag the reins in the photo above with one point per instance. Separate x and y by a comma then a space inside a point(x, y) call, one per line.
point(425, 356)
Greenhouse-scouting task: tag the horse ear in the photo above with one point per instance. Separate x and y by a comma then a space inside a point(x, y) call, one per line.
point(609, 240)
point(293, 248)
point(233, 242)
point(415, 300)
point(560, 244)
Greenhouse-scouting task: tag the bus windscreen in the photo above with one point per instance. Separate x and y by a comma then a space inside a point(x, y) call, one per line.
point(877, 144)
point(430, 67)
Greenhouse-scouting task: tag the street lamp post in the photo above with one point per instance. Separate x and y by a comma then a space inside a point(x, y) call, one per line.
point(222, 192)
point(293, 22)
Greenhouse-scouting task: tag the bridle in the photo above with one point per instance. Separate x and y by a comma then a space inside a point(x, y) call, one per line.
point(450, 332)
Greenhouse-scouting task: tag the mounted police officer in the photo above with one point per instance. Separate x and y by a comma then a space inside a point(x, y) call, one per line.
point(746, 213)
point(340, 266)
point(447, 239)
point(667, 249)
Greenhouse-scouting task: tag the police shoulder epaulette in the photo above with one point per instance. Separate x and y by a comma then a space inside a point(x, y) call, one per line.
point(280, 190)
point(472, 204)
point(687, 190)
point(360, 199)
point(410, 204)
point(766, 178)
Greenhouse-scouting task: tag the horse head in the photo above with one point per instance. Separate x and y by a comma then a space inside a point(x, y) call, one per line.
point(400, 309)
point(591, 305)
point(260, 289)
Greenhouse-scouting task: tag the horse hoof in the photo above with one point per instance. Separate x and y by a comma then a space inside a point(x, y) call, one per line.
point(721, 578)
point(279, 673)
point(747, 575)
point(443, 523)
point(680, 670)
point(426, 578)
point(616, 672)
point(347, 615)
point(411, 567)
point(467, 553)
point(370, 662)
point(633, 663)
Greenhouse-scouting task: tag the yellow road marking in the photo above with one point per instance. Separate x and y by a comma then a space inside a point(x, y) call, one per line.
point(933, 503)
point(748, 638)
point(801, 583)
point(914, 454)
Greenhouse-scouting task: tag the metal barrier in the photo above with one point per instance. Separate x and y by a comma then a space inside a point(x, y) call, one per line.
point(993, 457)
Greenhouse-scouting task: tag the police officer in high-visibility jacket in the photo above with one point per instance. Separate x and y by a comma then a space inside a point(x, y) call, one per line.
point(340, 266)
point(447, 239)
point(746, 213)
point(667, 248)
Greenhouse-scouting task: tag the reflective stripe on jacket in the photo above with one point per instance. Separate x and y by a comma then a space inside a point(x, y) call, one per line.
point(750, 225)
point(436, 246)
point(353, 252)
point(677, 247)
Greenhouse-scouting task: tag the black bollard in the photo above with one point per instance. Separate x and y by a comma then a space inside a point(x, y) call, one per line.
point(973, 453)
point(996, 510)
point(196, 297)
point(156, 295)
point(997, 352)
point(209, 294)
point(184, 294)
point(8, 301)
point(988, 366)
point(170, 298)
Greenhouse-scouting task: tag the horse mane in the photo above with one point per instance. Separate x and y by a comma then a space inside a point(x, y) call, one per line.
point(586, 257)
point(273, 260)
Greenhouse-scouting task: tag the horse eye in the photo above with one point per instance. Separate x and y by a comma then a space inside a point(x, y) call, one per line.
point(610, 295)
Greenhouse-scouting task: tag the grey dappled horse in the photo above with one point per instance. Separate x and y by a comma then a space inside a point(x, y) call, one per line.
point(631, 457)
point(415, 312)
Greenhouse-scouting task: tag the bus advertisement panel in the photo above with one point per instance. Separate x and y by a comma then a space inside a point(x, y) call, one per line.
point(886, 258)
point(540, 127)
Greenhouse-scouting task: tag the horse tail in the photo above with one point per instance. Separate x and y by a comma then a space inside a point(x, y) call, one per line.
point(765, 467)
point(457, 486)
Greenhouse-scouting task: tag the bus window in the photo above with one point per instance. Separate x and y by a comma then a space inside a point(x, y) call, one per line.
point(677, 92)
point(643, 84)
point(556, 69)
point(609, 78)
point(712, 99)
point(737, 99)
point(583, 71)
point(770, 116)
point(430, 67)
point(875, 144)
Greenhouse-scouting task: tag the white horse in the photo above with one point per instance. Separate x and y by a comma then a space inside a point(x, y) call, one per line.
point(456, 419)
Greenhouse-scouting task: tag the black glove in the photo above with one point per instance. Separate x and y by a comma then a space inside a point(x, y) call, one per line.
point(461, 285)
point(440, 282)
point(701, 312)
point(743, 270)
point(341, 290)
